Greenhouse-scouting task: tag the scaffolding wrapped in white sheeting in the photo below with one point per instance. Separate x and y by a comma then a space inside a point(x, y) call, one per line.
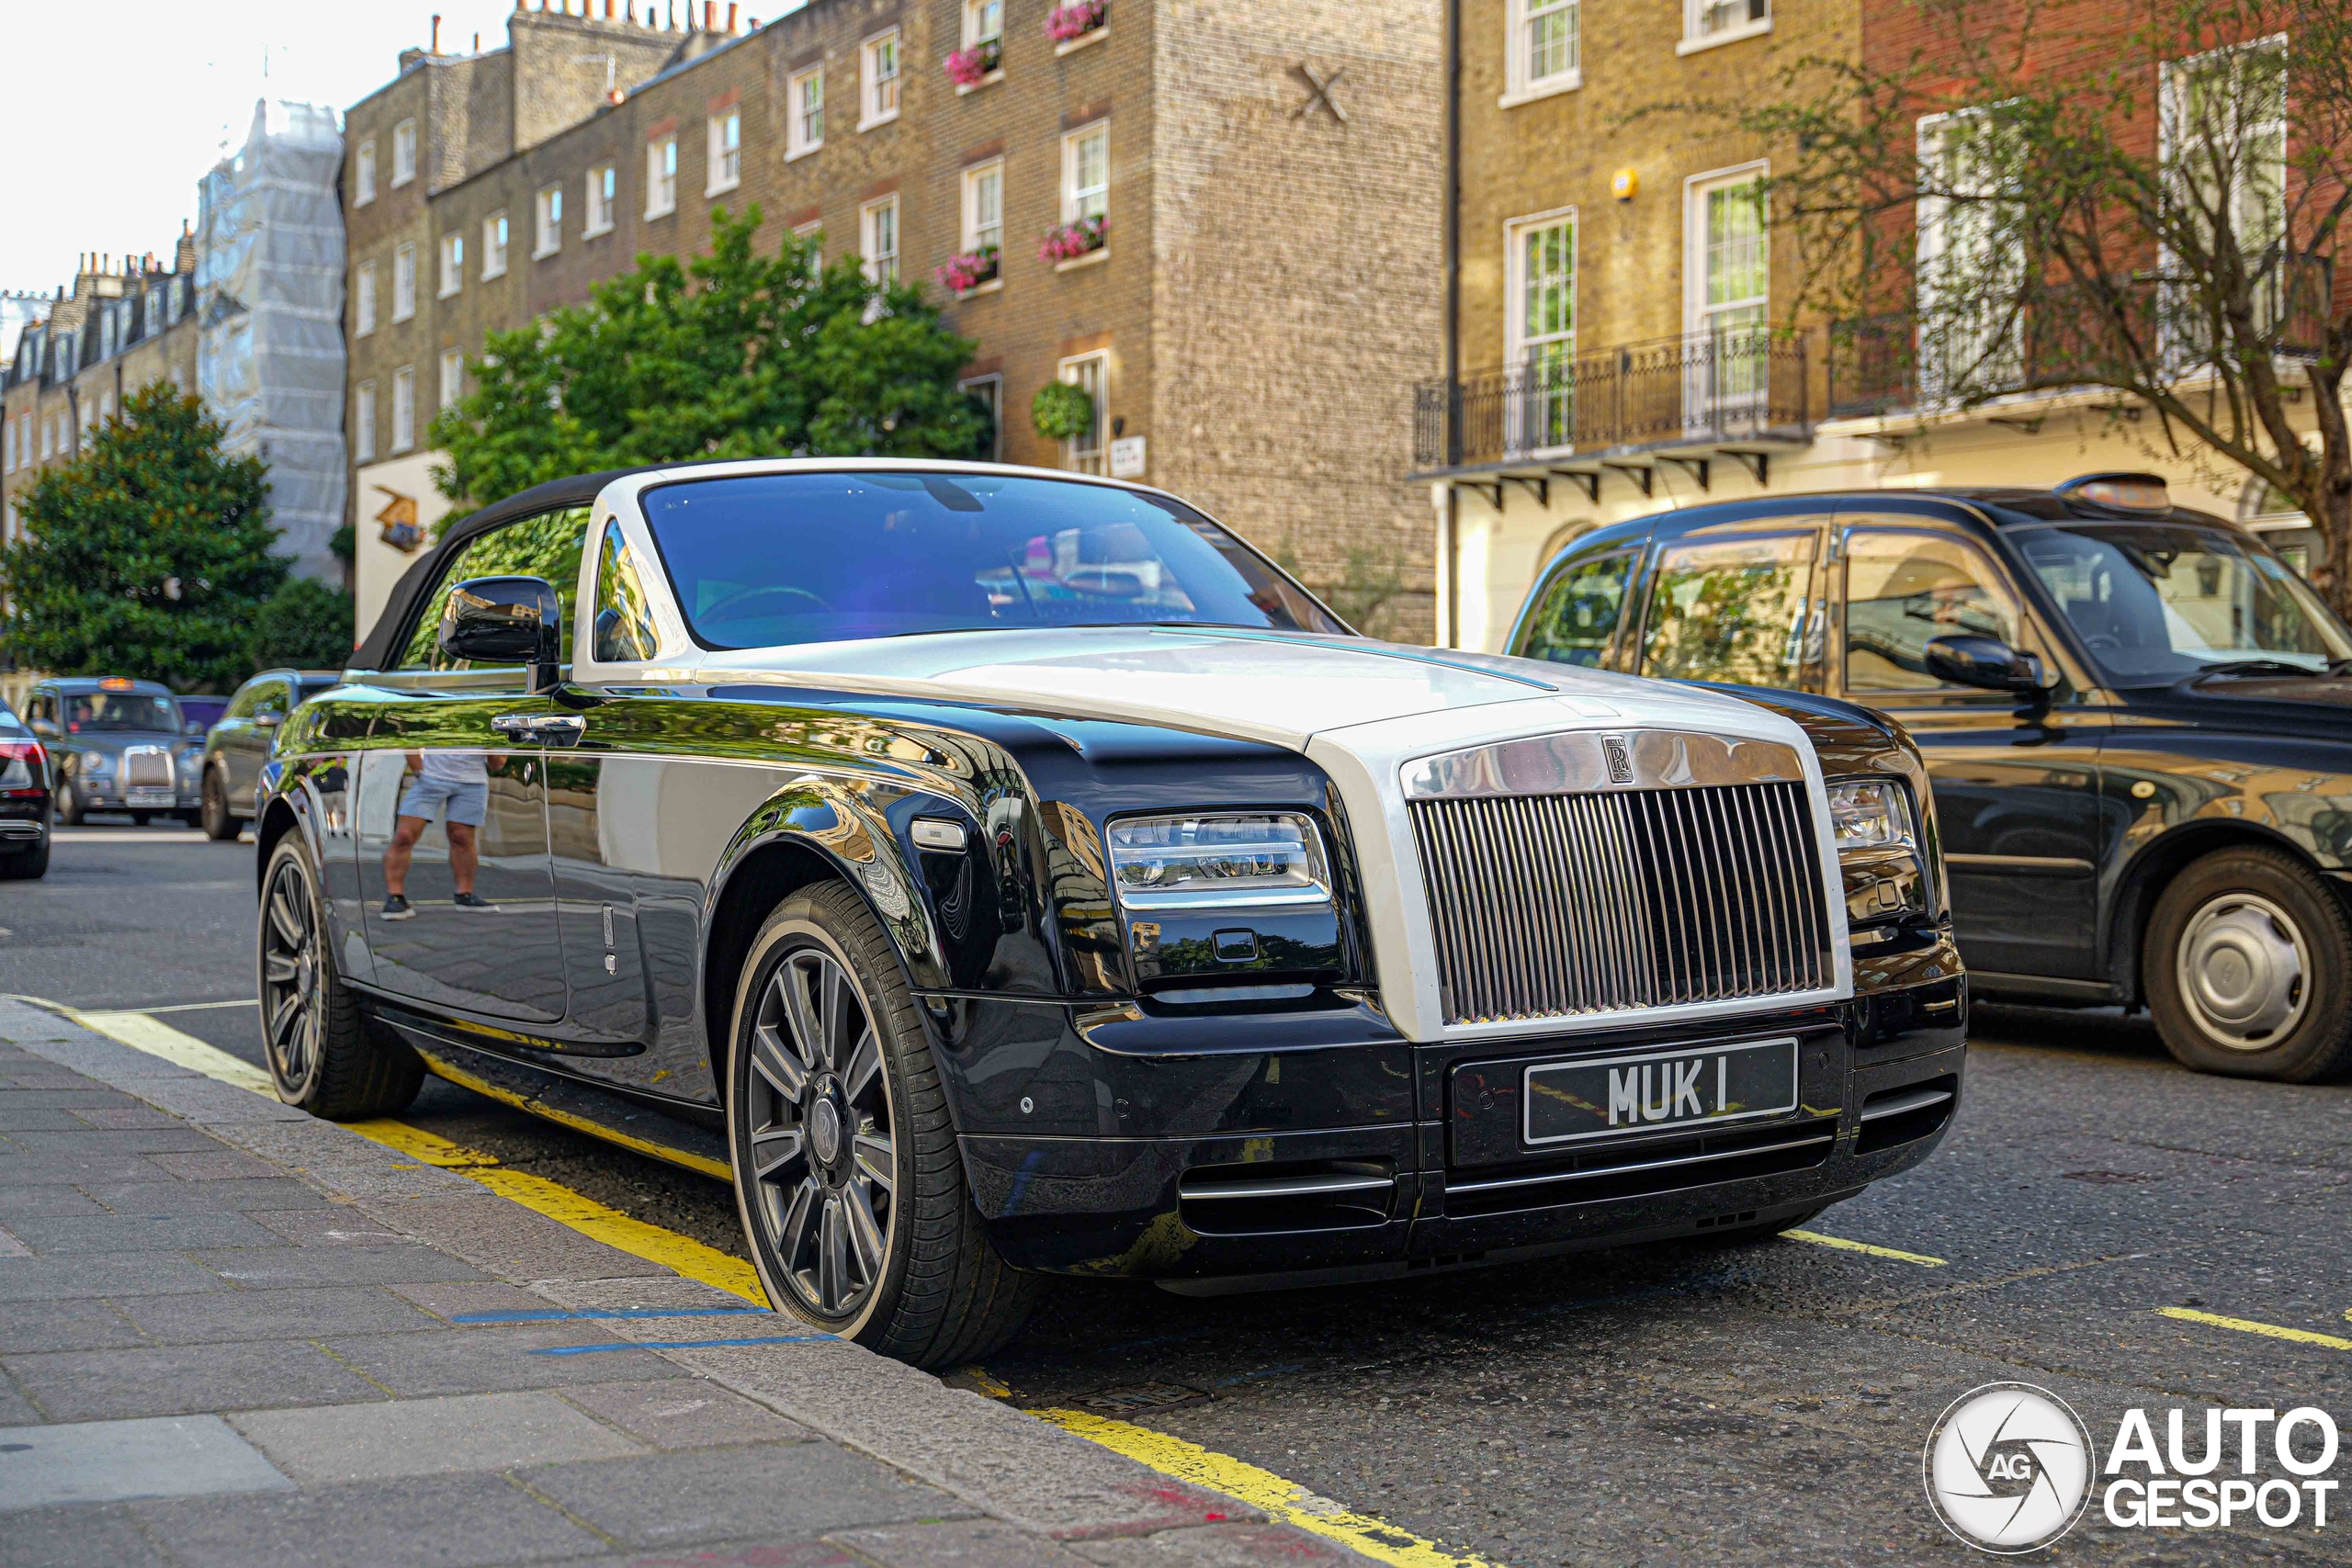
point(269, 266)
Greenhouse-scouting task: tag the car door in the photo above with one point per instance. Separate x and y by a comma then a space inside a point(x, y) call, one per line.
point(2015, 785)
point(451, 741)
point(1737, 603)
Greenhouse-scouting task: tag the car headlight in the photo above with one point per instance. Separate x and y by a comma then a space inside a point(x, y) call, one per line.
point(1877, 836)
point(97, 763)
point(1224, 860)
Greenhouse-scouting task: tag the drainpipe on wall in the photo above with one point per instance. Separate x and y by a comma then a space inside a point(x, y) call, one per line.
point(1450, 586)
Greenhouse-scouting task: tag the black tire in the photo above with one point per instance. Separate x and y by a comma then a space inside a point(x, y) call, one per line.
point(25, 866)
point(190, 819)
point(220, 824)
point(919, 1279)
point(322, 1054)
point(2247, 957)
point(69, 804)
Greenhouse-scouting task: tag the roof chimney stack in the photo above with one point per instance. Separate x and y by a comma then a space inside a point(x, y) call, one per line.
point(436, 32)
point(730, 16)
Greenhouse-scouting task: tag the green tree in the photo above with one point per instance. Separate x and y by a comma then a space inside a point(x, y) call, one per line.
point(148, 555)
point(729, 355)
point(307, 625)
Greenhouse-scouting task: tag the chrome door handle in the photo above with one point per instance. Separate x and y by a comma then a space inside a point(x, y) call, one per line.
point(543, 728)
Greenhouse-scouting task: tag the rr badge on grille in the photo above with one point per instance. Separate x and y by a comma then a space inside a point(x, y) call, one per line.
point(1621, 759)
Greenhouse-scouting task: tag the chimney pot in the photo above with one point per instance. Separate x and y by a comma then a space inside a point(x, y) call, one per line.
point(730, 16)
point(436, 32)
point(710, 15)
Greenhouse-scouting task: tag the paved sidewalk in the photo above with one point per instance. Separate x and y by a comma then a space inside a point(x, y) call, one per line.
point(231, 1333)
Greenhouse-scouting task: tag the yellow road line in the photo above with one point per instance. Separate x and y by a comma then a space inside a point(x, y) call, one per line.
point(159, 1039)
point(1263, 1489)
point(2267, 1330)
point(1842, 1245)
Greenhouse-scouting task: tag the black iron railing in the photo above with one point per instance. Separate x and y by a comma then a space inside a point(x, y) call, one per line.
point(1733, 384)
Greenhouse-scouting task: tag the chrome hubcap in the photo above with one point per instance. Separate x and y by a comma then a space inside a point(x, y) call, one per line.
point(824, 1170)
point(2243, 965)
point(292, 978)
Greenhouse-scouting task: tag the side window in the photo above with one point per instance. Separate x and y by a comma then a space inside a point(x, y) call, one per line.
point(1903, 589)
point(546, 546)
point(1730, 609)
point(271, 699)
point(1576, 619)
point(625, 631)
point(243, 704)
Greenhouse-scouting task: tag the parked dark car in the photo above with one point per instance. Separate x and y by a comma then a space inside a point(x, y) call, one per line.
point(238, 743)
point(24, 801)
point(199, 711)
point(2138, 720)
point(115, 744)
point(997, 870)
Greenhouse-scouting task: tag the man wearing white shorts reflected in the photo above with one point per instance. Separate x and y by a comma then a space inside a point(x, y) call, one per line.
point(455, 784)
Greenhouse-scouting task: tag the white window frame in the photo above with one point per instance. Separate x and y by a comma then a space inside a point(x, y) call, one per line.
point(881, 266)
point(662, 176)
point(495, 238)
point(363, 173)
point(602, 190)
point(363, 423)
point(1094, 459)
point(1694, 21)
point(725, 158)
point(797, 142)
point(975, 13)
point(1934, 224)
point(878, 95)
point(403, 152)
point(1074, 195)
point(403, 408)
point(993, 385)
point(813, 229)
point(2173, 78)
point(363, 299)
point(453, 376)
point(403, 281)
point(453, 264)
point(546, 221)
point(977, 233)
point(1701, 319)
point(1520, 83)
point(1519, 343)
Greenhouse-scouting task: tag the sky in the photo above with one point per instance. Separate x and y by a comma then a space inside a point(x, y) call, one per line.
point(105, 155)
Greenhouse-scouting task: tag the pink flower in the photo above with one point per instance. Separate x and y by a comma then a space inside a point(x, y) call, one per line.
point(970, 67)
point(1072, 241)
point(962, 274)
point(1074, 19)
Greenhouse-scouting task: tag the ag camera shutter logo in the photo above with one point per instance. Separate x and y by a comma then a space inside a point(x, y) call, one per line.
point(2008, 1468)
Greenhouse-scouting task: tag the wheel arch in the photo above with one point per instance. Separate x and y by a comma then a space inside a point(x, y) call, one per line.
point(277, 820)
point(2153, 869)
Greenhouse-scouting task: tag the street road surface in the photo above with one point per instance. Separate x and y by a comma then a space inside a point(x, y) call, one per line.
point(1661, 1405)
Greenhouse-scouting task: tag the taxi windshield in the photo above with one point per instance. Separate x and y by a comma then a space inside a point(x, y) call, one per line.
point(104, 711)
point(2156, 603)
point(760, 560)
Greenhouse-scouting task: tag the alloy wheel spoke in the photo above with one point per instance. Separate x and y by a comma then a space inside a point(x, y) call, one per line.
point(283, 918)
point(838, 1001)
point(792, 1233)
point(832, 1258)
point(865, 1231)
point(288, 1011)
point(878, 1160)
point(775, 1061)
point(792, 989)
point(864, 1061)
point(772, 1149)
point(279, 968)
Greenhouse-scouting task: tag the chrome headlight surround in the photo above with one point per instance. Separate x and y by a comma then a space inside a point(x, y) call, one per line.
point(1217, 860)
point(1874, 825)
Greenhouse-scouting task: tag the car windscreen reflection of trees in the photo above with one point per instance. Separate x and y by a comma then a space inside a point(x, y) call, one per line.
point(547, 546)
point(771, 559)
point(109, 711)
point(2153, 602)
point(1731, 610)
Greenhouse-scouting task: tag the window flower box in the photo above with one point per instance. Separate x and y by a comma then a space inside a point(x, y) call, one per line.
point(1071, 241)
point(970, 67)
point(963, 272)
point(1074, 19)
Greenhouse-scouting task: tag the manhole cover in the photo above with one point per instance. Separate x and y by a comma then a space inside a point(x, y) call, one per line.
point(1136, 1398)
point(2109, 1178)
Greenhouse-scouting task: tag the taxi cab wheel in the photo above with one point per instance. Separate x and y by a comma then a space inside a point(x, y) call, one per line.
point(322, 1055)
point(69, 805)
point(2246, 962)
point(848, 1177)
point(216, 821)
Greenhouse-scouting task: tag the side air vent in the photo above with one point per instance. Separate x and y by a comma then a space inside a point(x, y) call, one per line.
point(1907, 1114)
point(1310, 1195)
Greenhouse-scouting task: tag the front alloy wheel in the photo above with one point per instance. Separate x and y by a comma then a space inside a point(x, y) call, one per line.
point(293, 977)
point(323, 1055)
point(848, 1176)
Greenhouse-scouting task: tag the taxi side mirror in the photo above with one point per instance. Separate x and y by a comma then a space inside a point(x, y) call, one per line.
point(1990, 663)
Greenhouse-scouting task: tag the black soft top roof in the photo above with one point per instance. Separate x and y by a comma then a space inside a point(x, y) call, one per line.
point(576, 492)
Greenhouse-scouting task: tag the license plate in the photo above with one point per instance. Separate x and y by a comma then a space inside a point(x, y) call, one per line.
point(149, 797)
point(1694, 1086)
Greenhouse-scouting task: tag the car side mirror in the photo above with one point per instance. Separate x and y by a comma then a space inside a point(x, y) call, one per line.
point(1990, 663)
point(506, 620)
point(269, 720)
point(43, 726)
point(193, 729)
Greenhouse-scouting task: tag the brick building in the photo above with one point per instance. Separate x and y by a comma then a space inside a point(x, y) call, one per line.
point(1270, 242)
point(1618, 336)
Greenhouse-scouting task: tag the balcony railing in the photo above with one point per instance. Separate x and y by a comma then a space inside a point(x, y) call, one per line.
point(1883, 364)
point(1736, 384)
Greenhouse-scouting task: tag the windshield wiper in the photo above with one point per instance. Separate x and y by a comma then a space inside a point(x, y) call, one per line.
point(2255, 667)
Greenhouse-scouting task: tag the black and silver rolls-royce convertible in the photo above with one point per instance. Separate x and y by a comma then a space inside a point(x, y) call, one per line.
point(996, 873)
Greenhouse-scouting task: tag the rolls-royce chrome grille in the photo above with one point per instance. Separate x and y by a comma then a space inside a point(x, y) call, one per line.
point(1657, 888)
point(146, 767)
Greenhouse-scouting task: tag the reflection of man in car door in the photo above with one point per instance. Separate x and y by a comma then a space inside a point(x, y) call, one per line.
point(456, 784)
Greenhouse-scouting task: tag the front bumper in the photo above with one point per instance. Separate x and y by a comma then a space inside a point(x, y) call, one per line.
point(109, 795)
point(1243, 1203)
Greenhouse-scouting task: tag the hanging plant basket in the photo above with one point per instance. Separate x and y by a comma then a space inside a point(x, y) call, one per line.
point(1062, 411)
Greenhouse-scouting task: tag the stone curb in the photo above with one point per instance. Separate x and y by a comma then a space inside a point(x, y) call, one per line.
point(1030, 1474)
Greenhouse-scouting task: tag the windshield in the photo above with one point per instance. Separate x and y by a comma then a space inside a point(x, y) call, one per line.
point(121, 710)
point(2153, 602)
point(766, 559)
